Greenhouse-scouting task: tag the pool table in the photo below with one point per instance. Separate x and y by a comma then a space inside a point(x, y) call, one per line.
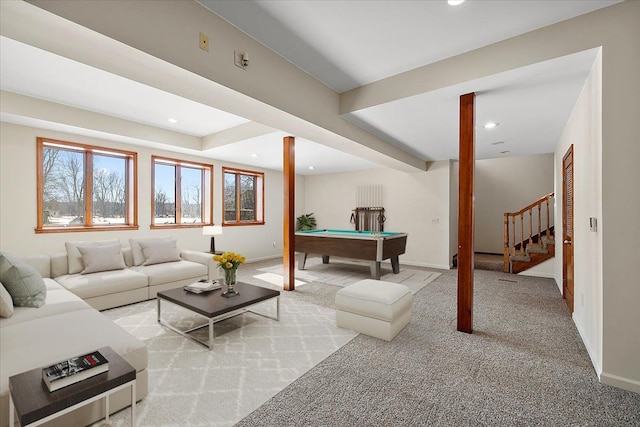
point(366, 245)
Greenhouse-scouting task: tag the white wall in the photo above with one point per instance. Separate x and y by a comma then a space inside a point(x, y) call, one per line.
point(584, 131)
point(412, 202)
point(18, 202)
point(507, 185)
point(498, 189)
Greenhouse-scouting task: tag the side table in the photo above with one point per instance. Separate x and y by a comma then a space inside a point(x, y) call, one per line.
point(34, 404)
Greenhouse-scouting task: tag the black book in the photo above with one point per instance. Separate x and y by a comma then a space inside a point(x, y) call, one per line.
point(73, 370)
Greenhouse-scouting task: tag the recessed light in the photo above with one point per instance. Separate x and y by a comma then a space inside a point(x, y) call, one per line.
point(455, 2)
point(497, 143)
point(490, 125)
point(254, 155)
point(172, 120)
point(311, 168)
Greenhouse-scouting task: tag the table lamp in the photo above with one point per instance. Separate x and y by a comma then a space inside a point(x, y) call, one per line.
point(212, 230)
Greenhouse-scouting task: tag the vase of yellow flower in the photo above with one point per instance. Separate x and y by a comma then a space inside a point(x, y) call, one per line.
point(229, 262)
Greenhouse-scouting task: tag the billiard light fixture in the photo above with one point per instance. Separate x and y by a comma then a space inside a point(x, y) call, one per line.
point(212, 230)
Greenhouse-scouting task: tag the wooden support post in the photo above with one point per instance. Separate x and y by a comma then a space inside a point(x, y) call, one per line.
point(466, 213)
point(288, 223)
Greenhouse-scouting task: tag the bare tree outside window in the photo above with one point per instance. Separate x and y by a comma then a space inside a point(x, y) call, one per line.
point(79, 188)
point(109, 190)
point(243, 197)
point(182, 193)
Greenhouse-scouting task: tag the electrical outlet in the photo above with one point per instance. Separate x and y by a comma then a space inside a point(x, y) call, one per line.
point(239, 59)
point(204, 42)
point(435, 221)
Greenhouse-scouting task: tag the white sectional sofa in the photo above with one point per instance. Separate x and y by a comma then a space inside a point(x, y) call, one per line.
point(69, 323)
point(114, 288)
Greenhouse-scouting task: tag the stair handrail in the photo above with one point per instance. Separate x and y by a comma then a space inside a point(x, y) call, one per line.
point(510, 245)
point(540, 201)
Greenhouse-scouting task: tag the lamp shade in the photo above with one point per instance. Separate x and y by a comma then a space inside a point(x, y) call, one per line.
point(211, 230)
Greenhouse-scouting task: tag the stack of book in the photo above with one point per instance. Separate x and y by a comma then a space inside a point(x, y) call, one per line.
point(73, 370)
point(202, 286)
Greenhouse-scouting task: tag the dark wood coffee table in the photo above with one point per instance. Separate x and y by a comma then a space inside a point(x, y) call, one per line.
point(35, 404)
point(213, 306)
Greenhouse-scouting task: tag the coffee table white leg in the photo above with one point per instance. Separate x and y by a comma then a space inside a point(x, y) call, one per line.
point(106, 408)
point(210, 333)
point(133, 404)
point(12, 410)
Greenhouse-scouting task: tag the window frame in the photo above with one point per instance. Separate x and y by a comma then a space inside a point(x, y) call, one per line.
point(207, 202)
point(259, 202)
point(131, 186)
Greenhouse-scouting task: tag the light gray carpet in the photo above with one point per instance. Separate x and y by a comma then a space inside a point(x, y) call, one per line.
point(524, 365)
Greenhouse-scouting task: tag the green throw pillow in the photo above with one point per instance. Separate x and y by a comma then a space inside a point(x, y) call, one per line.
point(22, 281)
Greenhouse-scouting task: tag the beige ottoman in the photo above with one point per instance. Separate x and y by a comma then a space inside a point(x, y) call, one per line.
point(374, 307)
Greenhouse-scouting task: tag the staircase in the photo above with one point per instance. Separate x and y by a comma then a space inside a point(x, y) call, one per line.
point(522, 248)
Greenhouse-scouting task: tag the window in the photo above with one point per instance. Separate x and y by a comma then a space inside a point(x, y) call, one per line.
point(85, 187)
point(182, 193)
point(243, 197)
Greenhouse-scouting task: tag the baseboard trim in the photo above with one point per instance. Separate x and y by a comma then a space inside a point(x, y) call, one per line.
point(594, 361)
point(537, 274)
point(264, 258)
point(620, 382)
point(426, 265)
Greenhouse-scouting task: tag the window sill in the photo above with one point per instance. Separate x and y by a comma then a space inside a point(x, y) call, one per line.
point(164, 226)
point(240, 224)
point(81, 229)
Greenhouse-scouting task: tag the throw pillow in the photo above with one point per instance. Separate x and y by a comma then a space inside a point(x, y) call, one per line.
point(136, 250)
point(22, 281)
point(101, 258)
point(6, 303)
point(160, 252)
point(74, 258)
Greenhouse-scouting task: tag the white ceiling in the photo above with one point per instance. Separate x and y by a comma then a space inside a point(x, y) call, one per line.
point(346, 44)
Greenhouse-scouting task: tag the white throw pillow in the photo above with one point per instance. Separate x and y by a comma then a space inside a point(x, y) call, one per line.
point(136, 250)
point(74, 258)
point(101, 258)
point(159, 252)
point(6, 303)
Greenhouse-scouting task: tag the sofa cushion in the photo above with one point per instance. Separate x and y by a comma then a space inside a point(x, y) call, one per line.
point(104, 283)
point(6, 303)
point(136, 250)
point(22, 281)
point(59, 300)
point(40, 342)
point(74, 258)
point(101, 258)
point(160, 274)
point(160, 252)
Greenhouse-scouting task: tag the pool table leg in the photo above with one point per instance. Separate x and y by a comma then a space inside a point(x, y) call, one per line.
point(375, 270)
point(325, 259)
point(302, 259)
point(395, 264)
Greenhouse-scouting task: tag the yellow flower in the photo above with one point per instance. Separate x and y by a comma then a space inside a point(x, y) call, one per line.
point(229, 260)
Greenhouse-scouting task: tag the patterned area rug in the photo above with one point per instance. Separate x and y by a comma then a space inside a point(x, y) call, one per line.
point(344, 272)
point(252, 360)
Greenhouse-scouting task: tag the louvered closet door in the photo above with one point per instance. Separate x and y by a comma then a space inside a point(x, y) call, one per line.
point(567, 227)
